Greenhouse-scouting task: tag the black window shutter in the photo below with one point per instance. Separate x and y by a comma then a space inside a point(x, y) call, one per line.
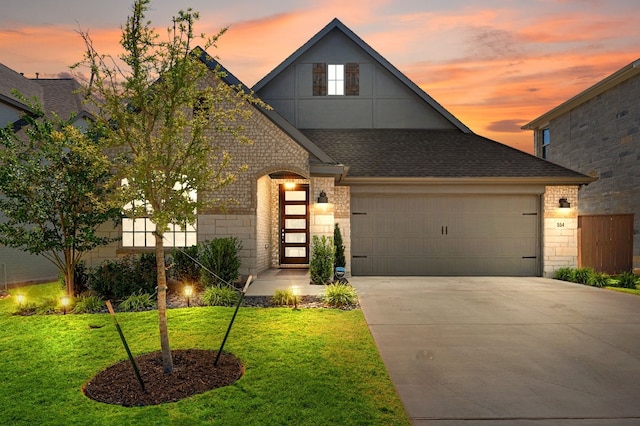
point(352, 79)
point(319, 79)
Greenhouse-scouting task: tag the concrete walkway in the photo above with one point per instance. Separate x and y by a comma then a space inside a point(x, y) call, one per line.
point(507, 351)
point(267, 282)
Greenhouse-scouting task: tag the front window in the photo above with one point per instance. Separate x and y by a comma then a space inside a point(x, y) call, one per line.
point(546, 139)
point(139, 231)
point(335, 80)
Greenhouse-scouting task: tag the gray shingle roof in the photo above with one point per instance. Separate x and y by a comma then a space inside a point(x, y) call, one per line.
point(424, 153)
point(10, 80)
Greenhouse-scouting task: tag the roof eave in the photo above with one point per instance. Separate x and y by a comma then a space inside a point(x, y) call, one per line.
point(550, 181)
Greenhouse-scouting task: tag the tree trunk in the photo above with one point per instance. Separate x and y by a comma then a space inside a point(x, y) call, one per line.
point(167, 362)
point(69, 273)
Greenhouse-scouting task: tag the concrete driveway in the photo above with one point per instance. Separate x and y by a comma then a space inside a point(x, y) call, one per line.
point(507, 351)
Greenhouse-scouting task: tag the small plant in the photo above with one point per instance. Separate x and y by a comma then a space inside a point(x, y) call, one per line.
point(285, 297)
point(120, 278)
point(627, 280)
point(219, 296)
point(88, 305)
point(221, 256)
point(339, 295)
point(565, 274)
point(339, 247)
point(582, 275)
point(47, 306)
point(137, 302)
point(321, 263)
point(25, 309)
point(598, 279)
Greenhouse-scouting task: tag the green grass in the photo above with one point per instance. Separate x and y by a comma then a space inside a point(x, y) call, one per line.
point(625, 290)
point(308, 366)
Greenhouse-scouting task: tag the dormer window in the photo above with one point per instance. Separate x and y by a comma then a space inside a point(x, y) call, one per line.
point(336, 79)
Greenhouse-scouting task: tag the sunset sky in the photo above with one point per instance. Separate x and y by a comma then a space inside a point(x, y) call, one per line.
point(495, 65)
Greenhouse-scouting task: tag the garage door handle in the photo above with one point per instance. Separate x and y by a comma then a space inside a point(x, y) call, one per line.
point(529, 257)
point(444, 230)
point(359, 257)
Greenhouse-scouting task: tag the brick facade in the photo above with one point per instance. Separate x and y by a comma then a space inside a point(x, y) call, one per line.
point(601, 137)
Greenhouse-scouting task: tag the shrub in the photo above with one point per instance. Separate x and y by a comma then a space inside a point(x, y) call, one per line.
point(339, 247)
point(285, 297)
point(582, 275)
point(565, 274)
point(28, 308)
point(322, 257)
point(221, 258)
point(339, 295)
point(598, 279)
point(627, 280)
point(119, 279)
point(219, 296)
point(138, 302)
point(88, 305)
point(184, 268)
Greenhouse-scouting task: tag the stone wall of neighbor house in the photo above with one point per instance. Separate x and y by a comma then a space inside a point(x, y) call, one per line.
point(601, 138)
point(560, 234)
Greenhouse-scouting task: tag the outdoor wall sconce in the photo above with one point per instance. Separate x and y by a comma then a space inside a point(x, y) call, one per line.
point(323, 199)
point(564, 204)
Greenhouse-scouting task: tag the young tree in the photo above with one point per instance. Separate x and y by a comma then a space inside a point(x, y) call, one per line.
point(53, 190)
point(161, 110)
point(339, 247)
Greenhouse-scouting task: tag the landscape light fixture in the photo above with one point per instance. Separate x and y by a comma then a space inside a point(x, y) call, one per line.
point(188, 291)
point(296, 291)
point(564, 204)
point(323, 199)
point(64, 301)
point(20, 299)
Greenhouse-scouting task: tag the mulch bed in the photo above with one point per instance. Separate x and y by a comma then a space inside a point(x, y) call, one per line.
point(193, 373)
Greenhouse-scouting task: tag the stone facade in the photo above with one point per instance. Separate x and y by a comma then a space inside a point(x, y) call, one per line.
point(560, 230)
point(601, 137)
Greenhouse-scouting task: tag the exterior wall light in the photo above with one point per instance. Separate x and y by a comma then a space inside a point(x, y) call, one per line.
point(564, 204)
point(323, 199)
point(289, 185)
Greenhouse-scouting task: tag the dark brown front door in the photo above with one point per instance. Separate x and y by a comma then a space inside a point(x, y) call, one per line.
point(606, 242)
point(294, 224)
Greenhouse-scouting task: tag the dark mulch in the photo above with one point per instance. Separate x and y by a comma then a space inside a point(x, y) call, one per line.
point(193, 373)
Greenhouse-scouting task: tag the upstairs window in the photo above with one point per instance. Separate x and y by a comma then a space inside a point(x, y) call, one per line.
point(336, 79)
point(546, 139)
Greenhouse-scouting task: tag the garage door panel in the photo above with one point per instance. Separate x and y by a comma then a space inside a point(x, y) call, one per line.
point(445, 235)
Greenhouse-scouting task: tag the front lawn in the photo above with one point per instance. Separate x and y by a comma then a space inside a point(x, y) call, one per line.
point(307, 366)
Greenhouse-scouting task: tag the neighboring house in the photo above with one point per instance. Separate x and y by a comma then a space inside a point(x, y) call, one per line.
point(597, 132)
point(55, 95)
point(353, 141)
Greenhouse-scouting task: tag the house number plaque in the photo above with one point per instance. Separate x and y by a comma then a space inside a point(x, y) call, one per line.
point(560, 225)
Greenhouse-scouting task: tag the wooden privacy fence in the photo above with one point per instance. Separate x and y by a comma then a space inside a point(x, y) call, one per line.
point(605, 242)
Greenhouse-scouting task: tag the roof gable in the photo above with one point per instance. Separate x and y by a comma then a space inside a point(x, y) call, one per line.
point(629, 71)
point(335, 24)
point(10, 81)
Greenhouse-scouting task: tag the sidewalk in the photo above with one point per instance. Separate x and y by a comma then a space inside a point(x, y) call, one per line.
point(267, 282)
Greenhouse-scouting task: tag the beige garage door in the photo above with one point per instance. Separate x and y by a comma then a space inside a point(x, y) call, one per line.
point(445, 235)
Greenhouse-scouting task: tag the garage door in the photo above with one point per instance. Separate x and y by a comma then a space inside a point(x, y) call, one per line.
point(445, 235)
